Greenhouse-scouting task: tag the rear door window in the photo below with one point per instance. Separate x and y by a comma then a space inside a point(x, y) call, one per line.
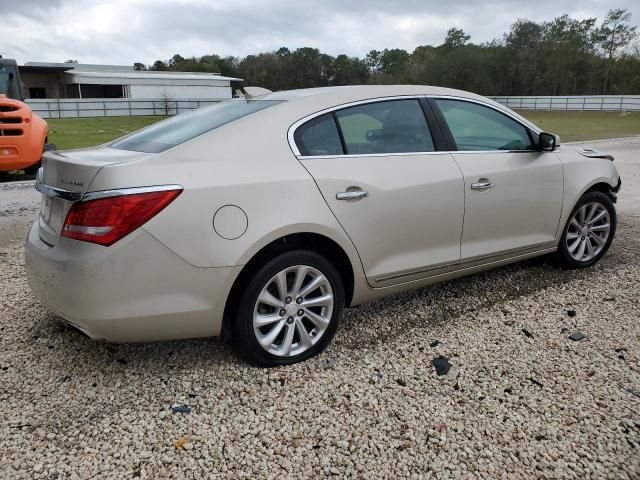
point(176, 130)
point(393, 126)
point(319, 136)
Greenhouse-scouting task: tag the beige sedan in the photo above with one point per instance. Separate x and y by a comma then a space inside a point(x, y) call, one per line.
point(263, 218)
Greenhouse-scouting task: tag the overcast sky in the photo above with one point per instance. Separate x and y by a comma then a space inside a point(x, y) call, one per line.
point(127, 31)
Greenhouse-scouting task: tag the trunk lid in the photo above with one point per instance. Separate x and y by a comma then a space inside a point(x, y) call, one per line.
point(63, 179)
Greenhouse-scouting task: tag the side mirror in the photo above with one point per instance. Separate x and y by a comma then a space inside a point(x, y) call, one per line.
point(546, 142)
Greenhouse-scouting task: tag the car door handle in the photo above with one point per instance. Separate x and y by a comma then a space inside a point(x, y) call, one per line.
point(352, 195)
point(482, 185)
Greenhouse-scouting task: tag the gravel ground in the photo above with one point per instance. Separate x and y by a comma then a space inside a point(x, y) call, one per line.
point(522, 400)
point(17, 198)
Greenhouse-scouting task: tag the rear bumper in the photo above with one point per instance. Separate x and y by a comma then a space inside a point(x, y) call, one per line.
point(135, 290)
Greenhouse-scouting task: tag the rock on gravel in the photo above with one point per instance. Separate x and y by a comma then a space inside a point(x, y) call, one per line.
point(577, 336)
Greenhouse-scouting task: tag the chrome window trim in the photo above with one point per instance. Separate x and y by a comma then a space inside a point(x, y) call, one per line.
point(68, 195)
point(292, 129)
point(404, 154)
point(360, 155)
point(475, 152)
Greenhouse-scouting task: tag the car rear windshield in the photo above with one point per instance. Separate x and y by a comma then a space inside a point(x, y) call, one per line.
point(174, 131)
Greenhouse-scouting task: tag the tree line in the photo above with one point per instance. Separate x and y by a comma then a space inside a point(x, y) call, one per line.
point(564, 56)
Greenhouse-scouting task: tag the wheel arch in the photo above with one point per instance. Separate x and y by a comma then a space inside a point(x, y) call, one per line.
point(601, 190)
point(602, 185)
point(315, 242)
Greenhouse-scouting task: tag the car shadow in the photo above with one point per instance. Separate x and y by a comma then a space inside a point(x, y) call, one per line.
point(15, 176)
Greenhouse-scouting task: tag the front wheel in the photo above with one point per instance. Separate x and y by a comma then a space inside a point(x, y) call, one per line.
point(290, 309)
point(589, 231)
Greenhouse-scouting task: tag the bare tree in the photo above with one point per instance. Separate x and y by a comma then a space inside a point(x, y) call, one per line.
point(168, 103)
point(613, 36)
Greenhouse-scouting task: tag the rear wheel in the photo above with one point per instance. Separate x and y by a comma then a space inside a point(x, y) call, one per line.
point(589, 231)
point(289, 311)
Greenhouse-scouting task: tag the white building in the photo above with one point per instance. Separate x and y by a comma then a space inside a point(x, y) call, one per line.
point(149, 84)
point(69, 80)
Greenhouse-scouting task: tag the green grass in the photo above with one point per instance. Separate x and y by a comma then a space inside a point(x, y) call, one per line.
point(68, 133)
point(571, 126)
point(578, 126)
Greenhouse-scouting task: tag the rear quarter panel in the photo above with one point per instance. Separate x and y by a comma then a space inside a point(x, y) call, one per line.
point(247, 163)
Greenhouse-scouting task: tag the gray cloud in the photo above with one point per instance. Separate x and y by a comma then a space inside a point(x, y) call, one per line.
point(33, 8)
point(124, 31)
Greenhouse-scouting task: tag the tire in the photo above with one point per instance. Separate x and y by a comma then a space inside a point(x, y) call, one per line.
point(281, 320)
point(583, 229)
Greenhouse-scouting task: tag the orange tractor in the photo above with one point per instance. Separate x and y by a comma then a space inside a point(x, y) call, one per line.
point(23, 134)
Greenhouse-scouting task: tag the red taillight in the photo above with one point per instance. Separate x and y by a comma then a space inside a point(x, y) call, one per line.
point(106, 220)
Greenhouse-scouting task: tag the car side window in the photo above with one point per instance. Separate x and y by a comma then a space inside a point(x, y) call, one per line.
point(393, 126)
point(476, 127)
point(319, 136)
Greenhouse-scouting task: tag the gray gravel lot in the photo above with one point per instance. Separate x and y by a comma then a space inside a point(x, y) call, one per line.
point(521, 401)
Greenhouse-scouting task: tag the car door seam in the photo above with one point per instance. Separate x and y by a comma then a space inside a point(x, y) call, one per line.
point(464, 202)
point(337, 219)
point(562, 202)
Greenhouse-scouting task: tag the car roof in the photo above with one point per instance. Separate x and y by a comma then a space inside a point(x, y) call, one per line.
point(368, 91)
point(315, 99)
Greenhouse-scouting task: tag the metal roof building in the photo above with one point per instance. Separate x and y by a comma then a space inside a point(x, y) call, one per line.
point(70, 80)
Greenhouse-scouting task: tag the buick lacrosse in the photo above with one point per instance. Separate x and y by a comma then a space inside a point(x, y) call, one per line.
point(262, 218)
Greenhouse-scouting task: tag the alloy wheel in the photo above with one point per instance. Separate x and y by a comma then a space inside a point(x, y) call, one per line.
point(588, 231)
point(293, 311)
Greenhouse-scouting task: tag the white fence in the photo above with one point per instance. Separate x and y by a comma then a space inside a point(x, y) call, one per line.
point(616, 103)
point(112, 107)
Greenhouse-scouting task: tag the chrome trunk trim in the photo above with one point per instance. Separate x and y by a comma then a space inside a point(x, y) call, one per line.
point(55, 192)
point(128, 191)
